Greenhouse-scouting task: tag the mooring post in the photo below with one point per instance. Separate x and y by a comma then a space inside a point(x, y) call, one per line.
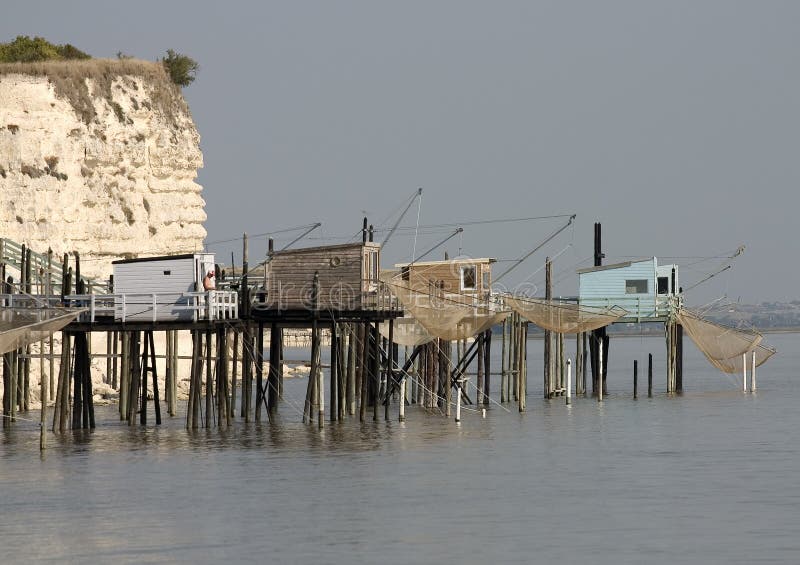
point(600, 367)
point(569, 381)
point(753, 373)
point(635, 376)
point(458, 399)
point(744, 372)
point(649, 375)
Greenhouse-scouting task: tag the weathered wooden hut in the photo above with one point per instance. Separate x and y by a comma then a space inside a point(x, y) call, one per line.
point(159, 288)
point(640, 286)
point(463, 275)
point(347, 277)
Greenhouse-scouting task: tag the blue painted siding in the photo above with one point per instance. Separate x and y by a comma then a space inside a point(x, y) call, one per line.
point(606, 288)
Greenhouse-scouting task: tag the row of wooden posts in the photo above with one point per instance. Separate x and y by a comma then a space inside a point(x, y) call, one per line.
point(365, 374)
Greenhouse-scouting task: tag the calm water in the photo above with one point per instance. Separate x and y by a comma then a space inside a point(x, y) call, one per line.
point(711, 476)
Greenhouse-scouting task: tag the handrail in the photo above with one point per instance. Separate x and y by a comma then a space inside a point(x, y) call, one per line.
point(216, 305)
point(11, 254)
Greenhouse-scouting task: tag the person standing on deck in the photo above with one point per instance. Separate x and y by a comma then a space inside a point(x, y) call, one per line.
point(208, 281)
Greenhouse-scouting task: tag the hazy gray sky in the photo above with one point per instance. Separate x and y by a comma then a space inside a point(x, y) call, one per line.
point(675, 124)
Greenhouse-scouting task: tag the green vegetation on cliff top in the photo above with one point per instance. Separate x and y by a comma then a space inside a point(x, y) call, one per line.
point(181, 69)
point(68, 69)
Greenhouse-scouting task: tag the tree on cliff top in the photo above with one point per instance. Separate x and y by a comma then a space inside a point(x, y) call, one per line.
point(181, 69)
point(26, 50)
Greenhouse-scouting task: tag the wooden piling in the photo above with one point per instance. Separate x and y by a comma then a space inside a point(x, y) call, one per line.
point(389, 370)
point(678, 358)
point(351, 368)
point(154, 376)
point(649, 375)
point(335, 374)
point(275, 369)
point(362, 371)
point(209, 381)
point(124, 374)
point(548, 335)
point(235, 366)
point(635, 377)
point(503, 366)
point(43, 397)
point(259, 370)
point(487, 366)
point(375, 370)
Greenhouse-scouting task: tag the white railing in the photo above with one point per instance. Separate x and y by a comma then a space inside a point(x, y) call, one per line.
point(638, 307)
point(213, 305)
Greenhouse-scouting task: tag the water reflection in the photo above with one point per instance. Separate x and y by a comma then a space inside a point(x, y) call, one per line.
point(556, 484)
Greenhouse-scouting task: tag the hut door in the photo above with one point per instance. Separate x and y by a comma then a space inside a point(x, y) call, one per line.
point(371, 268)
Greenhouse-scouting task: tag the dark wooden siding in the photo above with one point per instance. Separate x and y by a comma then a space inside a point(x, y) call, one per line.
point(341, 272)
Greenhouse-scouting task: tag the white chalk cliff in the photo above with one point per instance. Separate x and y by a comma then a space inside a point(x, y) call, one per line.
point(108, 170)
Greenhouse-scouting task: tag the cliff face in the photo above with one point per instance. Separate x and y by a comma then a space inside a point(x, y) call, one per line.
point(103, 163)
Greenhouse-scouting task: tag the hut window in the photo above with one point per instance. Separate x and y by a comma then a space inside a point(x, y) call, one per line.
point(636, 286)
point(485, 283)
point(405, 273)
point(469, 277)
point(663, 285)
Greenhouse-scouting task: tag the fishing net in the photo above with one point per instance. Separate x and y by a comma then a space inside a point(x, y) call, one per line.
point(737, 363)
point(21, 326)
point(715, 340)
point(450, 317)
point(722, 345)
point(406, 331)
point(566, 318)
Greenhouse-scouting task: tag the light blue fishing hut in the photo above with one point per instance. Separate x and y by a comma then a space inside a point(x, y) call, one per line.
point(647, 290)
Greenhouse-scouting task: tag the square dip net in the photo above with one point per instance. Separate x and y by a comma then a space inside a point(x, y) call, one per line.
point(724, 346)
point(446, 316)
point(560, 317)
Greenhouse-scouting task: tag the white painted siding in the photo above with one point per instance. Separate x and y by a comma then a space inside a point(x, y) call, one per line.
point(168, 278)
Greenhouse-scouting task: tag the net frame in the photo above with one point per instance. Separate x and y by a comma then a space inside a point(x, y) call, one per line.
point(22, 326)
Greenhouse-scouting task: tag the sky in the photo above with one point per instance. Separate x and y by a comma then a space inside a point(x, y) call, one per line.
point(674, 124)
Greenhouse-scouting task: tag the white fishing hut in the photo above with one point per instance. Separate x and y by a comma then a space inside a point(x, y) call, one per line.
point(166, 288)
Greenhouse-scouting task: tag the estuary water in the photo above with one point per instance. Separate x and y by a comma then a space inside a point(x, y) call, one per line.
point(709, 476)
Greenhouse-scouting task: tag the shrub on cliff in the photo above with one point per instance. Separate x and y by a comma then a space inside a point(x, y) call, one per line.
point(26, 50)
point(181, 69)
